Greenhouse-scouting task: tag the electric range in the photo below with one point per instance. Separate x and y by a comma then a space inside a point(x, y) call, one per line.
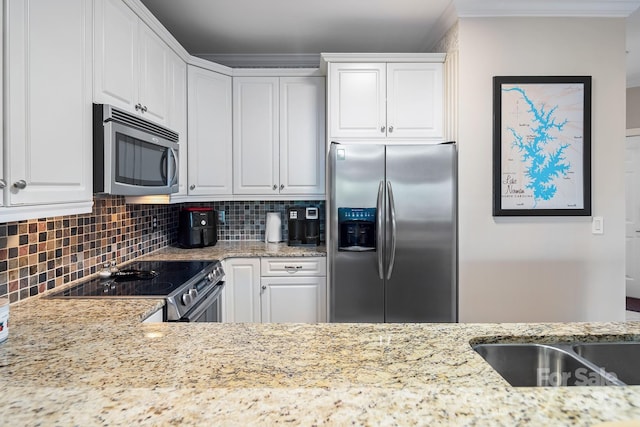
point(188, 287)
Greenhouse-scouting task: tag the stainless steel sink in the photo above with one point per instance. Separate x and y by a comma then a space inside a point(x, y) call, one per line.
point(621, 359)
point(542, 365)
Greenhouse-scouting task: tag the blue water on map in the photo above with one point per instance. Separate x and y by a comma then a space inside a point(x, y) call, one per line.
point(543, 165)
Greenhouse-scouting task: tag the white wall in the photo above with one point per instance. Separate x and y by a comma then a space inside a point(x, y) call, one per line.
point(536, 268)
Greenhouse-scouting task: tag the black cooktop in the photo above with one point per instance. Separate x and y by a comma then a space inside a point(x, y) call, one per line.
point(152, 278)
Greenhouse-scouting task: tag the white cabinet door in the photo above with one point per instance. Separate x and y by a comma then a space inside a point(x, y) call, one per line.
point(131, 62)
point(357, 94)
point(414, 100)
point(3, 178)
point(256, 135)
point(209, 132)
point(302, 152)
point(293, 299)
point(48, 101)
point(116, 54)
point(153, 75)
point(241, 296)
point(177, 114)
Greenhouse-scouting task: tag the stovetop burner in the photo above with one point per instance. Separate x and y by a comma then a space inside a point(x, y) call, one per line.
point(139, 279)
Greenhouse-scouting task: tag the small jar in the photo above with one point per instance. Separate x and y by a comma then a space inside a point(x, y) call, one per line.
point(4, 319)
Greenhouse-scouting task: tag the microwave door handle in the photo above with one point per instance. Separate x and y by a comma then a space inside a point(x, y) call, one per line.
point(174, 176)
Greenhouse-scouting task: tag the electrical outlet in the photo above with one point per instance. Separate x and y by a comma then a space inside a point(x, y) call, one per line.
point(154, 223)
point(221, 217)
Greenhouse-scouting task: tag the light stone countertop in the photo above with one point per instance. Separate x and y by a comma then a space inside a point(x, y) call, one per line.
point(92, 362)
point(236, 249)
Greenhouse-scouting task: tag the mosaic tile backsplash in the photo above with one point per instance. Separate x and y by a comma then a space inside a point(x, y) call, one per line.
point(40, 254)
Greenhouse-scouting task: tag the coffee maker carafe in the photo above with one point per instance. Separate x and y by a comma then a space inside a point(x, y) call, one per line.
point(304, 226)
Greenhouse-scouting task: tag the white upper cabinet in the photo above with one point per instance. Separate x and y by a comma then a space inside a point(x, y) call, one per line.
point(47, 105)
point(256, 135)
point(131, 62)
point(357, 100)
point(302, 140)
point(177, 115)
point(278, 136)
point(386, 100)
point(209, 133)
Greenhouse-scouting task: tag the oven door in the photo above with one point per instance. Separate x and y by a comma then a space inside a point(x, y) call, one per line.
point(209, 310)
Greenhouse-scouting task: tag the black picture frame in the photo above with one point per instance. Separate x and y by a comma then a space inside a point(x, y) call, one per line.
point(542, 146)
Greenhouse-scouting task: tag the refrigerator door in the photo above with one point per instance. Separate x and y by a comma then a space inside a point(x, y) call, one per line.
point(356, 257)
point(422, 286)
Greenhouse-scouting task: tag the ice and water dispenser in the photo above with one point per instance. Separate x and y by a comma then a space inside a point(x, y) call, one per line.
point(357, 229)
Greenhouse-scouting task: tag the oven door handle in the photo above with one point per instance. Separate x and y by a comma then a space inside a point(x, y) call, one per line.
point(203, 305)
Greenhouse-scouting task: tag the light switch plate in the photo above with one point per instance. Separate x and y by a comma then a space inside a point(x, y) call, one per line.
point(597, 225)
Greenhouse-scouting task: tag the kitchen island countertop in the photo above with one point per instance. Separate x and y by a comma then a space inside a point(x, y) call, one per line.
point(93, 362)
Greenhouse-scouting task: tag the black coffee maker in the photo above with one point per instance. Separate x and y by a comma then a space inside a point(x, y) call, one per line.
point(304, 226)
point(197, 227)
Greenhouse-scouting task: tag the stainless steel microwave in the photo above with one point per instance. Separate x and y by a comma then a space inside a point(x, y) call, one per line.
point(132, 156)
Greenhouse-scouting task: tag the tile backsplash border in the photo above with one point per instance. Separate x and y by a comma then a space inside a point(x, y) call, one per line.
point(41, 254)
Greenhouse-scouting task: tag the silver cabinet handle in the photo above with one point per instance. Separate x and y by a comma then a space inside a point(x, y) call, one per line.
point(264, 287)
point(3, 183)
point(192, 187)
point(382, 129)
point(138, 107)
point(379, 229)
point(282, 186)
point(392, 208)
point(275, 187)
point(391, 129)
point(21, 185)
point(291, 269)
point(144, 108)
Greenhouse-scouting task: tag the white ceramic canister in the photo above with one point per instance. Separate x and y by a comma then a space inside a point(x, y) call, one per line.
point(273, 229)
point(4, 319)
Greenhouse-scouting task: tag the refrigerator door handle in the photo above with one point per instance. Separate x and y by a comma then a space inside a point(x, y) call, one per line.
point(392, 210)
point(379, 230)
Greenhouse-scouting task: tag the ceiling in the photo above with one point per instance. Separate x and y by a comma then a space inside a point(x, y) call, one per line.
point(224, 30)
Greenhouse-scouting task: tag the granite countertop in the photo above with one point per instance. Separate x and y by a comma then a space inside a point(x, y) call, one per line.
point(237, 249)
point(92, 362)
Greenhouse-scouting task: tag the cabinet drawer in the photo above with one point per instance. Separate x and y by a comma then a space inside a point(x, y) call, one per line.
point(300, 266)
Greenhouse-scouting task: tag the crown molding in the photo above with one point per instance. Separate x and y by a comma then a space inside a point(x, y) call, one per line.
point(264, 60)
point(546, 8)
point(448, 18)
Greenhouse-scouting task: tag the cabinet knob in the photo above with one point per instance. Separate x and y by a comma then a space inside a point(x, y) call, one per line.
point(144, 108)
point(282, 186)
point(382, 129)
point(390, 128)
point(22, 184)
point(3, 183)
point(264, 287)
point(138, 107)
point(192, 187)
point(275, 187)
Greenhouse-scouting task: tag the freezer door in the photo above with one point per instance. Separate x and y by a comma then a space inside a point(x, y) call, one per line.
point(422, 284)
point(356, 174)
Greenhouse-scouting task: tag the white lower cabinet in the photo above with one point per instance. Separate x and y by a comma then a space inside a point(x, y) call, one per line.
point(241, 293)
point(275, 290)
point(293, 299)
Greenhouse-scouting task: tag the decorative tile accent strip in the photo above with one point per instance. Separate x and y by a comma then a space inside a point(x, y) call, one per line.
point(40, 254)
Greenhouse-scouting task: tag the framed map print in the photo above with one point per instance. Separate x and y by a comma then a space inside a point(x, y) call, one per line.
point(542, 146)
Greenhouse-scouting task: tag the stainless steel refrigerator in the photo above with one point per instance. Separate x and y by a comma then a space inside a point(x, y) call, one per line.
point(392, 240)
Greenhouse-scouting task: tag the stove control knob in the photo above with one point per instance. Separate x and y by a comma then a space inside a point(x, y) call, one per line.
point(211, 276)
point(186, 298)
point(193, 293)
